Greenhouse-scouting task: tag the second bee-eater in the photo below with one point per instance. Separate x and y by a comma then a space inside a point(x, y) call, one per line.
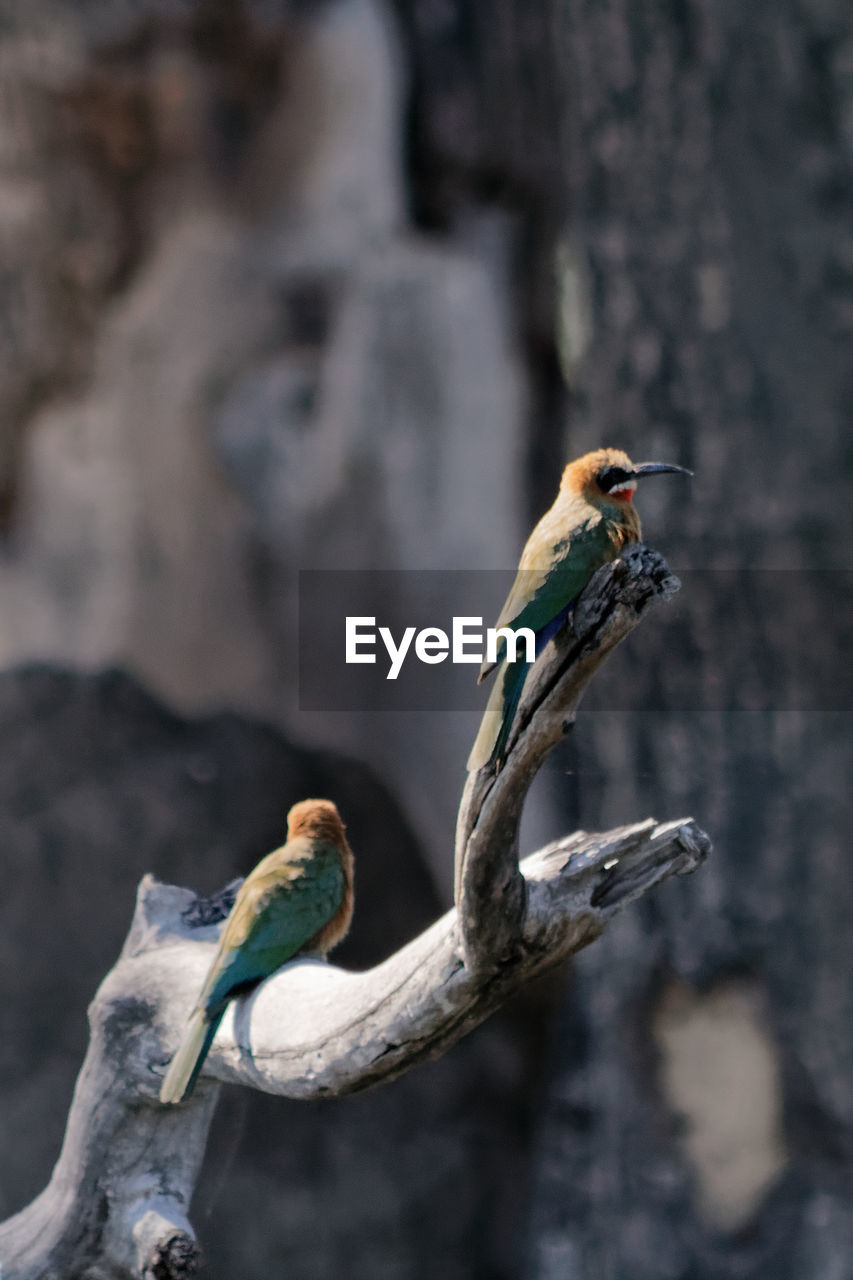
point(297, 899)
point(592, 519)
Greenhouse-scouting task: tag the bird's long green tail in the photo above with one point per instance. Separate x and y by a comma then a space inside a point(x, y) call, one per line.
point(179, 1081)
point(499, 714)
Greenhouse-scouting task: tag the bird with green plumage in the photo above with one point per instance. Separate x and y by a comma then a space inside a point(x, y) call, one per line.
point(297, 900)
point(592, 519)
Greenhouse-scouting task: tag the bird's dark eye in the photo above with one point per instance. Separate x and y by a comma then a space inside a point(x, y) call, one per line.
point(612, 478)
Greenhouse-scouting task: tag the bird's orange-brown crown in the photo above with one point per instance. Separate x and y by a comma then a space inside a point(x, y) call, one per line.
point(603, 473)
point(320, 820)
point(609, 476)
point(315, 818)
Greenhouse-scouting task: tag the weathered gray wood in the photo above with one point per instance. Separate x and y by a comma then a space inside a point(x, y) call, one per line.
point(117, 1203)
point(119, 1193)
point(489, 887)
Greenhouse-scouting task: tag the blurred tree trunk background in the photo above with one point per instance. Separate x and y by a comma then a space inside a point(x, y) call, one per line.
point(342, 283)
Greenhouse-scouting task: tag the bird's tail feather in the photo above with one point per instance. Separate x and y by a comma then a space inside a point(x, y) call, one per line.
point(499, 714)
point(179, 1080)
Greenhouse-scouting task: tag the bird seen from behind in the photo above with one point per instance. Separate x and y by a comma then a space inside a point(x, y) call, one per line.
point(592, 519)
point(298, 899)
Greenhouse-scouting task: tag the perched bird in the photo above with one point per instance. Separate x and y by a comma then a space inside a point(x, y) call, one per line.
point(297, 899)
point(592, 519)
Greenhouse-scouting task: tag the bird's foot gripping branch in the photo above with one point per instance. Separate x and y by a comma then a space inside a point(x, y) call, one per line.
point(117, 1204)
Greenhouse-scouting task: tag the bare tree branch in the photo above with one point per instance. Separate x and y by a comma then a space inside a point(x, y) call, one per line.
point(489, 887)
point(117, 1203)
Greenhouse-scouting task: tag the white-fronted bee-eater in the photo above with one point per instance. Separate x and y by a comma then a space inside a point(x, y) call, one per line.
point(592, 519)
point(298, 899)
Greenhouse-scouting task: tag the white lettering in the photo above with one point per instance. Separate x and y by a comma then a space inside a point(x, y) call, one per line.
point(396, 654)
point(461, 637)
point(354, 639)
point(511, 637)
point(432, 645)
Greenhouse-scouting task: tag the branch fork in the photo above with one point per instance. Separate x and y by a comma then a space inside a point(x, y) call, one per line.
point(117, 1203)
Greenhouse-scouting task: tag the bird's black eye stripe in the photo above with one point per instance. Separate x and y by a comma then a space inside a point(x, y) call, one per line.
point(612, 477)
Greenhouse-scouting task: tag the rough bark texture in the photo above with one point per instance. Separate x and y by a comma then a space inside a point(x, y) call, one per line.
point(118, 1199)
point(490, 892)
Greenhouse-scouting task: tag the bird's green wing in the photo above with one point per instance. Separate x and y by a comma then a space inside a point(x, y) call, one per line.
point(551, 575)
point(285, 901)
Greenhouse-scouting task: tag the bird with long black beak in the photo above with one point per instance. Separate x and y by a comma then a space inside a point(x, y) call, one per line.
point(592, 519)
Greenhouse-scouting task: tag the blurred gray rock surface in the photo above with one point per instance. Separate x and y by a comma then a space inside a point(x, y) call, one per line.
point(276, 372)
point(711, 236)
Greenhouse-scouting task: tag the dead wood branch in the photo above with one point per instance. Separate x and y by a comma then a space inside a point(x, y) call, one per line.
point(117, 1203)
